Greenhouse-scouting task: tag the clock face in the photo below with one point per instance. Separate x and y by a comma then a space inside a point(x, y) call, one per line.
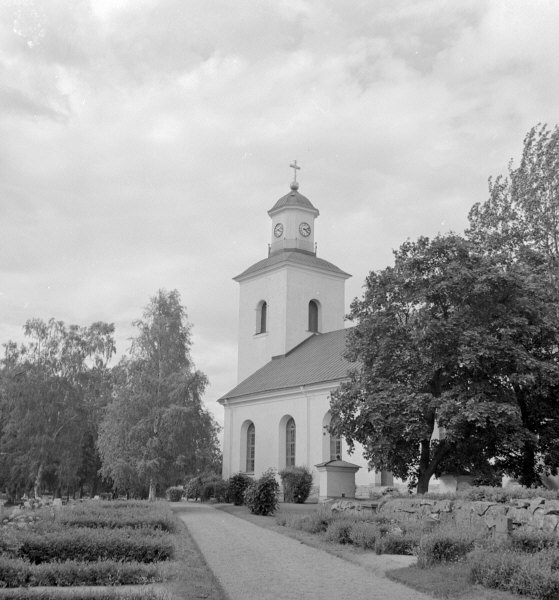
point(305, 229)
point(278, 230)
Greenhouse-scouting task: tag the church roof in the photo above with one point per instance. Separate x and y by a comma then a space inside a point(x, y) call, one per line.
point(318, 359)
point(298, 257)
point(295, 199)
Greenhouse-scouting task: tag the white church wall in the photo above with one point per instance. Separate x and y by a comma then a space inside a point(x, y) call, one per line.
point(308, 407)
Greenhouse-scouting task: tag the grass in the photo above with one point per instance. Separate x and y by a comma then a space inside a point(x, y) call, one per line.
point(447, 581)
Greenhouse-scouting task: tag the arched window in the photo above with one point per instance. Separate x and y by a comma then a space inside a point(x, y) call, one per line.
point(313, 316)
point(262, 317)
point(251, 443)
point(290, 443)
point(335, 446)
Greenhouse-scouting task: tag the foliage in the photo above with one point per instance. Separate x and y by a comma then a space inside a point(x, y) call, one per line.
point(95, 544)
point(202, 486)
point(339, 531)
point(441, 338)
point(364, 534)
point(316, 521)
point(144, 593)
point(131, 514)
point(19, 573)
point(157, 430)
point(261, 496)
point(217, 489)
point(297, 484)
point(397, 543)
point(519, 225)
point(447, 544)
point(174, 493)
point(525, 540)
point(533, 575)
point(52, 391)
point(238, 483)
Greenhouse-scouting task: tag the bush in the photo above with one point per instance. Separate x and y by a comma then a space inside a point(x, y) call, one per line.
point(261, 496)
point(91, 545)
point(364, 535)
point(238, 483)
point(20, 573)
point(530, 575)
point(196, 486)
point(525, 540)
point(397, 543)
point(314, 522)
point(297, 484)
point(83, 594)
point(219, 490)
point(445, 545)
point(339, 531)
point(175, 493)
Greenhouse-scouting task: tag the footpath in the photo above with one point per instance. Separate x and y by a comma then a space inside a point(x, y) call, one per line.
point(251, 562)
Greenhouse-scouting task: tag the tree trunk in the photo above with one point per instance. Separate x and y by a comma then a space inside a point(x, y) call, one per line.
point(37, 486)
point(424, 472)
point(529, 476)
point(151, 496)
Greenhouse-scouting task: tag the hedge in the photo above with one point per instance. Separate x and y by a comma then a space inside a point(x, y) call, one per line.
point(20, 573)
point(94, 544)
point(82, 594)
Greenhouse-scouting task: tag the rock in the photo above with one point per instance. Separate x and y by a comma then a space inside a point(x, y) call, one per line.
point(535, 504)
point(480, 507)
point(495, 514)
point(551, 507)
point(550, 522)
point(345, 505)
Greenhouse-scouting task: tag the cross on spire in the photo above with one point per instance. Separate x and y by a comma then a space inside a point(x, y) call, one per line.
point(295, 168)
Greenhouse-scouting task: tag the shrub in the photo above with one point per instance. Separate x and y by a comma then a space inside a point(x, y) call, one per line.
point(261, 496)
point(444, 545)
point(397, 543)
point(19, 573)
point(91, 545)
point(238, 483)
point(525, 540)
point(175, 493)
point(530, 575)
point(297, 484)
point(339, 531)
point(145, 593)
point(193, 488)
point(219, 490)
point(364, 535)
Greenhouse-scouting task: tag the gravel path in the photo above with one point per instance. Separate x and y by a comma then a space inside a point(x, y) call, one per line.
point(251, 562)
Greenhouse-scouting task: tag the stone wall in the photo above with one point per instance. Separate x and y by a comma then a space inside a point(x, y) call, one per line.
point(534, 514)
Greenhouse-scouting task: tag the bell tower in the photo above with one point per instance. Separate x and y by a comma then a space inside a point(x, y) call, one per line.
point(292, 294)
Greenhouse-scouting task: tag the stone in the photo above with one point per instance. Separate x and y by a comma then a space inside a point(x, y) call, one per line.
point(519, 516)
point(495, 514)
point(57, 503)
point(535, 504)
point(345, 505)
point(480, 507)
point(550, 522)
point(551, 507)
point(444, 506)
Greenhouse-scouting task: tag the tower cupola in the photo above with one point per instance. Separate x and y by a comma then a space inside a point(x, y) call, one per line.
point(293, 218)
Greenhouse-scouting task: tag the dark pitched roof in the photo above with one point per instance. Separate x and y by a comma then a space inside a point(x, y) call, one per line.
point(298, 257)
point(294, 198)
point(318, 359)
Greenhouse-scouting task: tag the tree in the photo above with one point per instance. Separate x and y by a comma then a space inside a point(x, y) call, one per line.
point(53, 389)
point(519, 224)
point(157, 430)
point(443, 340)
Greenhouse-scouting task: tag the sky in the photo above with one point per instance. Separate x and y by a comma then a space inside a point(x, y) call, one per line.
point(142, 143)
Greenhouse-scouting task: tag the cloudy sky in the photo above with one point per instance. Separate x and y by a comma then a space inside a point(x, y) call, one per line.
point(143, 141)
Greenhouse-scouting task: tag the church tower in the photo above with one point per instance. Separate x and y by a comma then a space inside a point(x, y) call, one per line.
point(290, 295)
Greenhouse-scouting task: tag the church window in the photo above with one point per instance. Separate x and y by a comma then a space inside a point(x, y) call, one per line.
point(251, 444)
point(335, 447)
point(262, 317)
point(313, 316)
point(290, 443)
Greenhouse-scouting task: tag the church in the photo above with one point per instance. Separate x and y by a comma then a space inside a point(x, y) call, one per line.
point(290, 354)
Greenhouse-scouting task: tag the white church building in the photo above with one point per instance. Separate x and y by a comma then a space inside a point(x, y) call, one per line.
point(290, 354)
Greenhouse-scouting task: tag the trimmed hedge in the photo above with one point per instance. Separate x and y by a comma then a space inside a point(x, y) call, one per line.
point(83, 594)
point(174, 493)
point(94, 544)
point(20, 573)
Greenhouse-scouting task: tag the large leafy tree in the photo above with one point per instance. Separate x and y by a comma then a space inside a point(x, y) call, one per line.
point(157, 429)
point(444, 340)
point(519, 225)
point(53, 389)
